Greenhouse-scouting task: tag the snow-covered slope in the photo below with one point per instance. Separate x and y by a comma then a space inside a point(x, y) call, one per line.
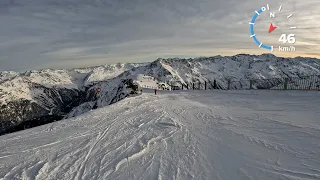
point(50, 94)
point(183, 135)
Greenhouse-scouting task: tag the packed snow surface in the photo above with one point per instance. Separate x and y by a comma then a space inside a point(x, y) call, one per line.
point(229, 135)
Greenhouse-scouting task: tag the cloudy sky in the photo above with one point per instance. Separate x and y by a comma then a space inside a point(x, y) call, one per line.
point(38, 34)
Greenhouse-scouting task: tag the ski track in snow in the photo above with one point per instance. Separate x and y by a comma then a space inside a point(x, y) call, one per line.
point(175, 135)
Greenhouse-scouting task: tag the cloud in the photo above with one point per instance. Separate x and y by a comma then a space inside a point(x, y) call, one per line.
point(73, 33)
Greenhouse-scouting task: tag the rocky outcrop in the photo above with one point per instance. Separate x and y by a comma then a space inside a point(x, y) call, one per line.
point(54, 104)
point(50, 105)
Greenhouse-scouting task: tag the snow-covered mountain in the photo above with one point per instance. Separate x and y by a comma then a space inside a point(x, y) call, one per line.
point(47, 95)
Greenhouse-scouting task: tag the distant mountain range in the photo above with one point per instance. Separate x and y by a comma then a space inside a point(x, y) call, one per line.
point(40, 96)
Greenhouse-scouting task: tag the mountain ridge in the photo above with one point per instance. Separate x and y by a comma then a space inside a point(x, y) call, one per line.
point(36, 94)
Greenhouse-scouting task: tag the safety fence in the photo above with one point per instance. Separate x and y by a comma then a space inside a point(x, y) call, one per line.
point(287, 83)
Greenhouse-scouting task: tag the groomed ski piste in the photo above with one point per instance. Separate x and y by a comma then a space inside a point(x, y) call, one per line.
point(175, 135)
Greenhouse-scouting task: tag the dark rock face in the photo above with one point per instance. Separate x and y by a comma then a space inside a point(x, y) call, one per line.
point(112, 91)
point(55, 103)
point(121, 90)
point(16, 112)
point(48, 106)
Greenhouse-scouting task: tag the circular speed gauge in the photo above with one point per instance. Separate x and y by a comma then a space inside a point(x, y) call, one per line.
point(287, 39)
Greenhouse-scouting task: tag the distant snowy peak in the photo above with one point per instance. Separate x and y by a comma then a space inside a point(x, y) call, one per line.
point(15, 85)
point(248, 66)
point(30, 84)
point(107, 72)
point(221, 68)
point(52, 78)
point(238, 67)
point(7, 75)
